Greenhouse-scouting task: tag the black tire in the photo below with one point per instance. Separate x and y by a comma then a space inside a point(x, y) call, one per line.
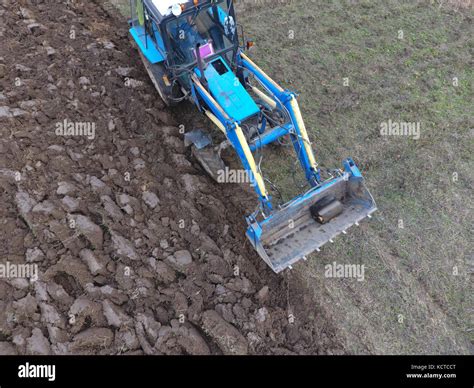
point(169, 94)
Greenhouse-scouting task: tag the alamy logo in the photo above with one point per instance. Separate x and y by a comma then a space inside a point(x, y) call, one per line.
point(345, 271)
point(37, 371)
point(393, 128)
point(228, 175)
point(71, 128)
point(10, 270)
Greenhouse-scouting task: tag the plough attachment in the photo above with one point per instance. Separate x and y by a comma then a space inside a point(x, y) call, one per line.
point(308, 222)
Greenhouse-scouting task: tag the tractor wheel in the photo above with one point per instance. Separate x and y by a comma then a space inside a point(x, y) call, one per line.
point(156, 72)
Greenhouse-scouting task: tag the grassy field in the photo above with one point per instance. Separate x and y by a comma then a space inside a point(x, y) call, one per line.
point(356, 65)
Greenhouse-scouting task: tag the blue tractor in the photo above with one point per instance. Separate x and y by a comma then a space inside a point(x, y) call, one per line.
point(192, 51)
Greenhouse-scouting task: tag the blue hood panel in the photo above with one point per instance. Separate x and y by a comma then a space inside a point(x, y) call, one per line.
point(229, 92)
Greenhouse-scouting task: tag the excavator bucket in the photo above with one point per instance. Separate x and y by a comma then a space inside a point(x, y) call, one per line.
point(309, 221)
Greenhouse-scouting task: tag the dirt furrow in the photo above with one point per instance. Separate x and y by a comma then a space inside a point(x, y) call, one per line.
point(137, 250)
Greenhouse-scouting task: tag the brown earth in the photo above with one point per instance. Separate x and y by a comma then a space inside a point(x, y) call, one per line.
point(138, 250)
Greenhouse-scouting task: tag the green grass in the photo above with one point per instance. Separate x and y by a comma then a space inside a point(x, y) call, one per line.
point(409, 79)
point(122, 5)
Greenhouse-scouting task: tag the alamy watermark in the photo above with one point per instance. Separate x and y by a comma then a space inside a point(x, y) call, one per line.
point(75, 128)
point(394, 128)
point(10, 270)
point(228, 175)
point(32, 371)
point(345, 271)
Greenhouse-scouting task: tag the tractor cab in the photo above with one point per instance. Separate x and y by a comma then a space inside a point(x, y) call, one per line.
point(171, 31)
point(195, 37)
point(210, 28)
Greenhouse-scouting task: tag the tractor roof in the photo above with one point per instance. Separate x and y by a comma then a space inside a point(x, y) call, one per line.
point(161, 9)
point(164, 6)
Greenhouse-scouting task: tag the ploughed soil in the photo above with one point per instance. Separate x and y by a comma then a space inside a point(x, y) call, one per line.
point(138, 251)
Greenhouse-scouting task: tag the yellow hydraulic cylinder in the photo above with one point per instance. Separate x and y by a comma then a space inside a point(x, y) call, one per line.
point(251, 161)
point(271, 102)
point(216, 121)
point(304, 134)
